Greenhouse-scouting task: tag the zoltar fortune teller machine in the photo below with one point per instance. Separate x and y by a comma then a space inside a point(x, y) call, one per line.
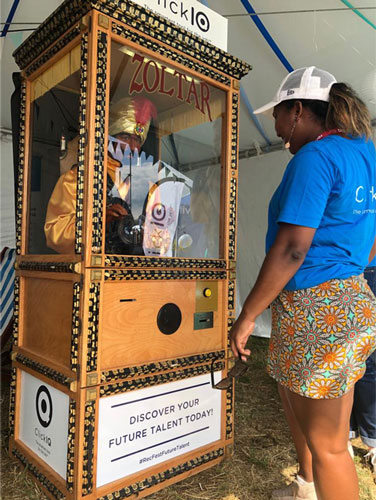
point(126, 229)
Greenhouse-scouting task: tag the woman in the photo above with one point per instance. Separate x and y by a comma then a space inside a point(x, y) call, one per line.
point(321, 235)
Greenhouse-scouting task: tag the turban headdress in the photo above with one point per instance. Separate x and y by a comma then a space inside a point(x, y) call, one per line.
point(132, 115)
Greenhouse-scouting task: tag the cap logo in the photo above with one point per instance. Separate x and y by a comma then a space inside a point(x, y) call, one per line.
point(290, 92)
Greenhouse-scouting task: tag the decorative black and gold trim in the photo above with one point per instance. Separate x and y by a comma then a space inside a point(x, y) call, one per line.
point(48, 372)
point(46, 483)
point(234, 131)
point(76, 325)
point(48, 267)
point(12, 400)
point(230, 324)
point(160, 366)
point(21, 168)
point(88, 455)
point(160, 478)
point(100, 107)
point(169, 53)
point(16, 310)
point(71, 445)
point(232, 220)
point(81, 144)
point(162, 274)
point(137, 17)
point(163, 378)
point(229, 412)
point(231, 295)
point(66, 16)
point(92, 341)
point(166, 263)
point(71, 35)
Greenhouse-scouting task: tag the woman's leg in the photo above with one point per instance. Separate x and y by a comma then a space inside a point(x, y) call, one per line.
point(300, 442)
point(325, 425)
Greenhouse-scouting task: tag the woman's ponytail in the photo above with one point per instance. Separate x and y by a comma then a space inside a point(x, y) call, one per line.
point(348, 112)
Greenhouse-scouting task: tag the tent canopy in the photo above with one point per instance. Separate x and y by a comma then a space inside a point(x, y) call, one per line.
point(273, 36)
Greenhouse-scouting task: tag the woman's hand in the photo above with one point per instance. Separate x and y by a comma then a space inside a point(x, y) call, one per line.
point(239, 334)
point(115, 211)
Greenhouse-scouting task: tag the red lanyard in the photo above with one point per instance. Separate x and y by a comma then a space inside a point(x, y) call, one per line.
point(328, 132)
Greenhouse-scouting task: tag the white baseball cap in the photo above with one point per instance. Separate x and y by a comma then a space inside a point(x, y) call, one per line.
point(303, 83)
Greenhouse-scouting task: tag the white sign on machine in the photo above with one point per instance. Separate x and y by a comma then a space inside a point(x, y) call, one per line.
point(44, 414)
point(140, 429)
point(194, 17)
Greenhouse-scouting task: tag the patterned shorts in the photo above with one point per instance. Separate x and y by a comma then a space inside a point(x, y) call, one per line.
point(322, 336)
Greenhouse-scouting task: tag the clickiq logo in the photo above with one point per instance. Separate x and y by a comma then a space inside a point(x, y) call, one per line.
point(194, 17)
point(202, 21)
point(43, 403)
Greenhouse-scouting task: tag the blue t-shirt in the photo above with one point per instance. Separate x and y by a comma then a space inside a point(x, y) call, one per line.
point(329, 185)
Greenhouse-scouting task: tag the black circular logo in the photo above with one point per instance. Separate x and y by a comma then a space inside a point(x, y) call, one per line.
point(159, 212)
point(43, 403)
point(202, 21)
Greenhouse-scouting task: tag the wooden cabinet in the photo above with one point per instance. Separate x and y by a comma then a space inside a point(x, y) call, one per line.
point(122, 314)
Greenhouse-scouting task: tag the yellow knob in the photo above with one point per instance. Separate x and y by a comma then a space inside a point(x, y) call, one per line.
point(207, 292)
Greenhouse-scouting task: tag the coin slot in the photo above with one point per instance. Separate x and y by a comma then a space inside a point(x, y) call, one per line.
point(203, 320)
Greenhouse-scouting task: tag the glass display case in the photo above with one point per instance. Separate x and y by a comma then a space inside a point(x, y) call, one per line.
point(126, 241)
point(169, 181)
point(54, 122)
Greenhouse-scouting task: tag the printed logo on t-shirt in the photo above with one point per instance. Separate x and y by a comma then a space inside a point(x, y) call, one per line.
point(362, 195)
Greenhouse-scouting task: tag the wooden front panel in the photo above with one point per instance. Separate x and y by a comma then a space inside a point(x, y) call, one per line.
point(129, 333)
point(47, 313)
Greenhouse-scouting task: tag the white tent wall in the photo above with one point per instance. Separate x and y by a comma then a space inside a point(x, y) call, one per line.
point(7, 220)
point(259, 176)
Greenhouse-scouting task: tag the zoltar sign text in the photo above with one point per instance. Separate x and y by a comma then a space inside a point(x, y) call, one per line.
point(151, 76)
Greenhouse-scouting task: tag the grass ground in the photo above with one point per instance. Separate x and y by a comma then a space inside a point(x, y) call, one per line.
point(264, 456)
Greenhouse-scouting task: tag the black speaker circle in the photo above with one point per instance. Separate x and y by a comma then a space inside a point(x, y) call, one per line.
point(169, 318)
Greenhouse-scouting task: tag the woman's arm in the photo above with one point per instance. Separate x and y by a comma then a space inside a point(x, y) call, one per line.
point(373, 252)
point(281, 263)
